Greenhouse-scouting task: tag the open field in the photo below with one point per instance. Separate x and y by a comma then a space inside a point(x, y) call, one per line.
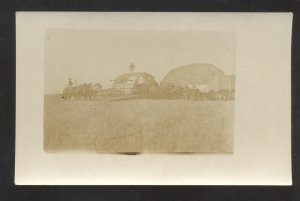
point(138, 125)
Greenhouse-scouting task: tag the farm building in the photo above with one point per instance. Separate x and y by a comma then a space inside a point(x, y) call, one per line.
point(136, 83)
point(199, 75)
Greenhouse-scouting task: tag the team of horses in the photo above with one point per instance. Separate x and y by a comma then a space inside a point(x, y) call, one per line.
point(195, 93)
point(83, 92)
point(189, 92)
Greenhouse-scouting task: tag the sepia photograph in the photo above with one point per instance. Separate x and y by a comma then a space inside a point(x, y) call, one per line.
point(153, 98)
point(133, 91)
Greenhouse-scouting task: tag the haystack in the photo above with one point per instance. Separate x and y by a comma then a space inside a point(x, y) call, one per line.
point(141, 84)
point(199, 74)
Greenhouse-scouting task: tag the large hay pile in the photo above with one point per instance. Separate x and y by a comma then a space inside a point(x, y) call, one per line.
point(141, 84)
point(197, 80)
point(196, 74)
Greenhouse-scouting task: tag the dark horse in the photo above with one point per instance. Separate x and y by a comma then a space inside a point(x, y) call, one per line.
point(68, 93)
point(82, 92)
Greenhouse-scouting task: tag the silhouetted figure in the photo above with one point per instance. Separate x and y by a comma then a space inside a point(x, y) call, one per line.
point(131, 67)
point(70, 83)
point(68, 92)
point(97, 90)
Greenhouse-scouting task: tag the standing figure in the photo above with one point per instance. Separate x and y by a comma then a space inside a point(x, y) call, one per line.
point(70, 83)
point(131, 67)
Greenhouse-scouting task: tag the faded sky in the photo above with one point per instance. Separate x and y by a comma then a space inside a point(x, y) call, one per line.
point(102, 55)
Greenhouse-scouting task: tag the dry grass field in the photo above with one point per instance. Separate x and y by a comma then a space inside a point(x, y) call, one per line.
point(138, 125)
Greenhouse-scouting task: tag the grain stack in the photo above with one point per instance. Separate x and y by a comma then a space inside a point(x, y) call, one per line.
point(199, 74)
